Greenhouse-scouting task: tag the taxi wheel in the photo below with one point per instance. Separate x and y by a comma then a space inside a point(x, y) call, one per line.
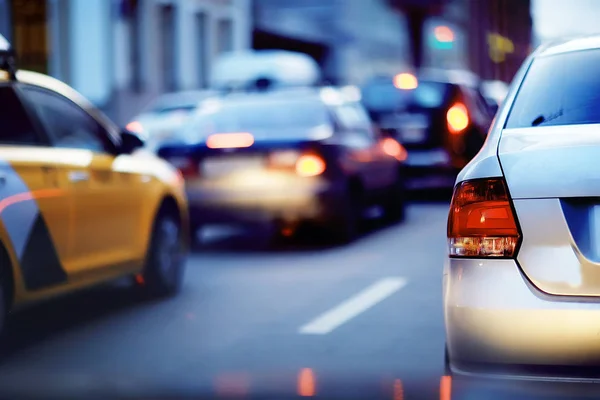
point(165, 265)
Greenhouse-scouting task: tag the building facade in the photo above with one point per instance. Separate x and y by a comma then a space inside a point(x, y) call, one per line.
point(123, 53)
point(350, 39)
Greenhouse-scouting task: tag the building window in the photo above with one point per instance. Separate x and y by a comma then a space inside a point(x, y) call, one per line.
point(202, 48)
point(130, 11)
point(30, 34)
point(224, 36)
point(167, 34)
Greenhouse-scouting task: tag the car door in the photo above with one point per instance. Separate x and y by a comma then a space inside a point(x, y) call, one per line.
point(35, 209)
point(363, 147)
point(106, 208)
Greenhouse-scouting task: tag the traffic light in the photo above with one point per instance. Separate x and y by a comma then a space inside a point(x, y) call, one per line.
point(443, 38)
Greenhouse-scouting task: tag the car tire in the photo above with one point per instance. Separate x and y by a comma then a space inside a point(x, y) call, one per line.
point(347, 227)
point(165, 262)
point(395, 202)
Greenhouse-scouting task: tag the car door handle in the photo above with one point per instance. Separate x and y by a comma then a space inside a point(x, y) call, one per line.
point(78, 176)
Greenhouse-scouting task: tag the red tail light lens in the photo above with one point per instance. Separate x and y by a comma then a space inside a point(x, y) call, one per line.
point(481, 222)
point(457, 118)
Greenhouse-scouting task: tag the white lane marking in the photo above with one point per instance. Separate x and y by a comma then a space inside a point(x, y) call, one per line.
point(352, 307)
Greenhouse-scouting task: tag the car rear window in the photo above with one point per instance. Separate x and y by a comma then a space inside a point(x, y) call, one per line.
point(270, 118)
point(562, 89)
point(385, 97)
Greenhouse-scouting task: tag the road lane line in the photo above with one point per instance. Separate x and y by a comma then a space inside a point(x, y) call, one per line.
point(354, 306)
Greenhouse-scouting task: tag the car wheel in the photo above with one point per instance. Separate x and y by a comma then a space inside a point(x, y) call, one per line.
point(348, 225)
point(395, 202)
point(165, 263)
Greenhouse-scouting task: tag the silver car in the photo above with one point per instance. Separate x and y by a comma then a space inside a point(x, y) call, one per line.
point(522, 278)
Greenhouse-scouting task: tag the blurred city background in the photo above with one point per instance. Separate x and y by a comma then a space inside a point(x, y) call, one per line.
point(246, 317)
point(107, 49)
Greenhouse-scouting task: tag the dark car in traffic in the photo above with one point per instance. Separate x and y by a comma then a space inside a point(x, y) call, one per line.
point(286, 157)
point(439, 116)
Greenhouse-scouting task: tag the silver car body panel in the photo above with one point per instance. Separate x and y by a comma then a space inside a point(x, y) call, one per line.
point(493, 315)
point(541, 309)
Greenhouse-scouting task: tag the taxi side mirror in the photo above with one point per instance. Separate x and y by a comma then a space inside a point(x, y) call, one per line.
point(130, 142)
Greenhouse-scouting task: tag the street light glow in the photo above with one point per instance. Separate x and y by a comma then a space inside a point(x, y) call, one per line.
point(443, 34)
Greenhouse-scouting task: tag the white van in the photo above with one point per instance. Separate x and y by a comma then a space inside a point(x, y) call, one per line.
point(239, 70)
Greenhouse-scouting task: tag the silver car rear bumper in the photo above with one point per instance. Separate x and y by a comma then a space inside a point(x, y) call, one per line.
point(494, 316)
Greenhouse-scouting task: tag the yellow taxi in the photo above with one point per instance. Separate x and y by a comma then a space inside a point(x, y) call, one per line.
point(80, 202)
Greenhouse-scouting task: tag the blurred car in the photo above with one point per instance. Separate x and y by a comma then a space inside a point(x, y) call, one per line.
point(522, 278)
point(78, 205)
point(288, 156)
point(439, 116)
point(163, 117)
point(494, 93)
point(239, 70)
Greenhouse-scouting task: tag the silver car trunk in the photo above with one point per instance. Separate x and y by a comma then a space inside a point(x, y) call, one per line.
point(553, 177)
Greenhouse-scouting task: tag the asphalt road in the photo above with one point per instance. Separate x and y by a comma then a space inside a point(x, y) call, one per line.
point(360, 321)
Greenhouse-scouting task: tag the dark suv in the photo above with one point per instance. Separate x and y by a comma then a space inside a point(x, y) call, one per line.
point(439, 116)
point(285, 157)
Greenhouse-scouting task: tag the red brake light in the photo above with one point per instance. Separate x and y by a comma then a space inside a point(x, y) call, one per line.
point(481, 222)
point(457, 118)
point(229, 140)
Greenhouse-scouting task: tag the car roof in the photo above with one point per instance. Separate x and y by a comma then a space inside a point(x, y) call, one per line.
point(569, 44)
point(449, 76)
point(452, 76)
point(188, 96)
point(325, 95)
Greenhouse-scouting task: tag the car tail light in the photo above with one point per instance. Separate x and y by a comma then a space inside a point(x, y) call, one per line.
point(135, 127)
point(310, 165)
point(481, 222)
point(229, 140)
point(185, 165)
point(304, 164)
point(457, 118)
point(393, 148)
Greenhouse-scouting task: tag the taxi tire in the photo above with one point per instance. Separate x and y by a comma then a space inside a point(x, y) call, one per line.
point(165, 262)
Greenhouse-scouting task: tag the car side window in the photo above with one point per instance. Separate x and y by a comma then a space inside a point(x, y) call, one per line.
point(67, 124)
point(17, 127)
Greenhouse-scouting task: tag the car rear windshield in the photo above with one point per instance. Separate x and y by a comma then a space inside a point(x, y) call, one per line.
point(562, 89)
point(272, 118)
point(385, 97)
